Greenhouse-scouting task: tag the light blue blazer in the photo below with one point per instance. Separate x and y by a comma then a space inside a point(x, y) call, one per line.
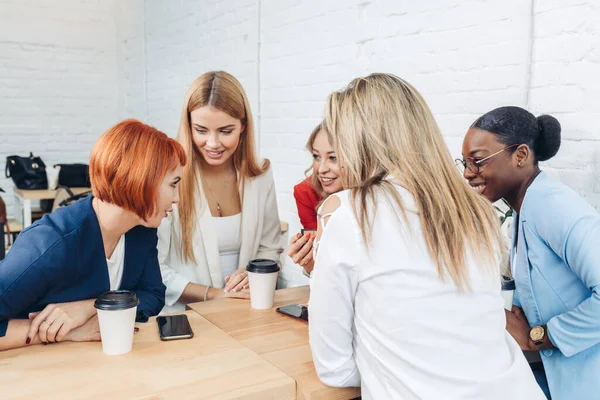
point(557, 274)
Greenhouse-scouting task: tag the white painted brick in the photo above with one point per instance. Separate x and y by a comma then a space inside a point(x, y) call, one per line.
point(66, 75)
point(69, 70)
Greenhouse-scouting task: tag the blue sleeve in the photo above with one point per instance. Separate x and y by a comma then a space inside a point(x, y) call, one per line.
point(571, 227)
point(29, 271)
point(150, 289)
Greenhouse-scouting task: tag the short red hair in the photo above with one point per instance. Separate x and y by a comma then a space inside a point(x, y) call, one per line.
point(128, 164)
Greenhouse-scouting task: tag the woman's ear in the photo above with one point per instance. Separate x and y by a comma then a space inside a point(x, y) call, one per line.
point(522, 155)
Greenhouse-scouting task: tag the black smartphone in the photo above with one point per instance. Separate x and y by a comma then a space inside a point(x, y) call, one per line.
point(303, 231)
point(298, 311)
point(173, 327)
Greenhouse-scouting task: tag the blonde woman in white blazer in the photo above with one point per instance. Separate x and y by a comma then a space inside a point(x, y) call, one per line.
point(227, 213)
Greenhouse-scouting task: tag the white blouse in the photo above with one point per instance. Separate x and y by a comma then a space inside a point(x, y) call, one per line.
point(115, 264)
point(382, 319)
point(229, 241)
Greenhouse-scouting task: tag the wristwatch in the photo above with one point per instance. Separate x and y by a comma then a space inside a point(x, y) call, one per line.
point(536, 334)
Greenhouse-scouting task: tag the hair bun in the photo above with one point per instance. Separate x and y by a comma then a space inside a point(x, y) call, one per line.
point(548, 141)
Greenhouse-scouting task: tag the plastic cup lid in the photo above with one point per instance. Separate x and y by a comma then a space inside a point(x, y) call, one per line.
point(116, 300)
point(508, 283)
point(262, 266)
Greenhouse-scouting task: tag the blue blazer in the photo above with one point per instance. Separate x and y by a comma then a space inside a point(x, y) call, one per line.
point(557, 275)
point(61, 259)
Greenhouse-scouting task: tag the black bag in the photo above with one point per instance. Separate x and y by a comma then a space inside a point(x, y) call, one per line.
point(27, 173)
point(65, 197)
point(74, 175)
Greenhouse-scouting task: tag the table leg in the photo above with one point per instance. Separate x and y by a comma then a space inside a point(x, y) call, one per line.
point(26, 213)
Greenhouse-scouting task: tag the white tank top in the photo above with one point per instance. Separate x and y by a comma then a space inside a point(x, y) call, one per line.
point(229, 241)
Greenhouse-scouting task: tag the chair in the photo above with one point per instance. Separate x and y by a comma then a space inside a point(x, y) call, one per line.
point(65, 197)
point(2, 245)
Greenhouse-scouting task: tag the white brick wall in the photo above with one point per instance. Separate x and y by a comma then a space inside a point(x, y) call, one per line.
point(466, 58)
point(70, 69)
point(66, 76)
point(131, 59)
point(190, 38)
point(565, 83)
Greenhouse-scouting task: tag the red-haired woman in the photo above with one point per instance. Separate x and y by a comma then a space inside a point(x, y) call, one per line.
point(107, 241)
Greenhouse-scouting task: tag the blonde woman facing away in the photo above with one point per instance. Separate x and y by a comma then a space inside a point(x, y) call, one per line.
point(228, 210)
point(405, 294)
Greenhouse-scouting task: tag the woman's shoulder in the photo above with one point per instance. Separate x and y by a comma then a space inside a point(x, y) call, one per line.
point(335, 213)
point(550, 205)
point(335, 202)
point(305, 189)
point(144, 234)
point(546, 193)
point(66, 220)
point(266, 175)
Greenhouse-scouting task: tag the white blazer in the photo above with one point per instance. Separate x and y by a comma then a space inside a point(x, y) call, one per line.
point(260, 238)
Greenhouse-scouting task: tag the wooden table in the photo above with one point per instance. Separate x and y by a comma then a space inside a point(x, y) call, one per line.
point(279, 339)
point(212, 365)
point(25, 196)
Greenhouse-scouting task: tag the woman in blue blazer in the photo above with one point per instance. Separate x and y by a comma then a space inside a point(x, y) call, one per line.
point(59, 265)
point(554, 257)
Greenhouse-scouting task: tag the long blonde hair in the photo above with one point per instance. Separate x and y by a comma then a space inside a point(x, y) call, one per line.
point(222, 91)
point(380, 125)
point(314, 179)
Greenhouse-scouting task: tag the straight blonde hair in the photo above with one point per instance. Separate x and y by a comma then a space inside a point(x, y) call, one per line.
point(224, 92)
point(381, 126)
point(316, 184)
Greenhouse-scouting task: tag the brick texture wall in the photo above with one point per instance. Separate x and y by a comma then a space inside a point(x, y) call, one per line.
point(69, 70)
point(184, 41)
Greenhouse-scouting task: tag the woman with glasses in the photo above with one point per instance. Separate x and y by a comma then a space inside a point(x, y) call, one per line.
point(554, 256)
point(405, 298)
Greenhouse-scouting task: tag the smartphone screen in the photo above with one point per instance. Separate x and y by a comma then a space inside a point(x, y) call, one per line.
point(295, 310)
point(172, 327)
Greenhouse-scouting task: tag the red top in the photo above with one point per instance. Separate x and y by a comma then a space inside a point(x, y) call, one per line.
point(307, 200)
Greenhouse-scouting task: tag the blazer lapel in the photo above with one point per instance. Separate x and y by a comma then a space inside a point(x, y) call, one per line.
point(250, 216)
point(523, 273)
point(132, 257)
point(514, 242)
point(95, 237)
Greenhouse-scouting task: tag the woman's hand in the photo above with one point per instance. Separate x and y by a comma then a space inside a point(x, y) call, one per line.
point(300, 250)
point(88, 332)
point(518, 327)
point(237, 281)
point(55, 321)
point(214, 293)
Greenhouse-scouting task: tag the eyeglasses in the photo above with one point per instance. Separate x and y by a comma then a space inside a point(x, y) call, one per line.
point(475, 165)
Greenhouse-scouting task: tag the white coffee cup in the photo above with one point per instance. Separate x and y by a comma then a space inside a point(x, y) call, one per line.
point(116, 315)
point(508, 291)
point(262, 277)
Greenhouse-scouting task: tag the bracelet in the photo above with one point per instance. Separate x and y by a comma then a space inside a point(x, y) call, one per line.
point(206, 293)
